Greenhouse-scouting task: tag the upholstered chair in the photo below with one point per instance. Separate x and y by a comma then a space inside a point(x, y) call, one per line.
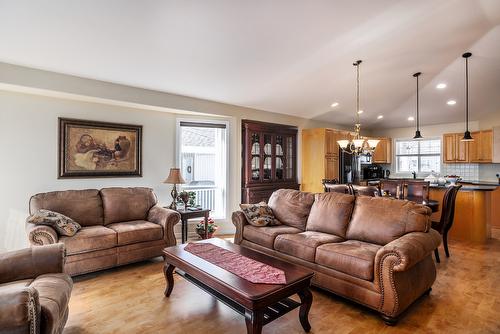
point(34, 291)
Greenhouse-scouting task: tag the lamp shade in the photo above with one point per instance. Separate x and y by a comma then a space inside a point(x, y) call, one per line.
point(372, 143)
point(174, 177)
point(343, 143)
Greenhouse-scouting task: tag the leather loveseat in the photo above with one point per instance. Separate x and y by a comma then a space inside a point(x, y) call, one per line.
point(375, 251)
point(119, 226)
point(34, 291)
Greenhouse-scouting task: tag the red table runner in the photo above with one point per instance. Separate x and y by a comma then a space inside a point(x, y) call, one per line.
point(244, 267)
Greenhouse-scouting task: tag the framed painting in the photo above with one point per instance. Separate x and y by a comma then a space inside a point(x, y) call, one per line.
point(97, 149)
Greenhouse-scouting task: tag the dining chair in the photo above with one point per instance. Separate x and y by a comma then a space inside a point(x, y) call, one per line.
point(416, 190)
point(372, 191)
point(447, 216)
point(391, 187)
point(338, 188)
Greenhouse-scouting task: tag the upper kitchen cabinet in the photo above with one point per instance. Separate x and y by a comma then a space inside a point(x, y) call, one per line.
point(383, 151)
point(481, 149)
point(455, 150)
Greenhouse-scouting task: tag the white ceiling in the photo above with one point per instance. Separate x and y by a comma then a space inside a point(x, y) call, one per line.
point(285, 56)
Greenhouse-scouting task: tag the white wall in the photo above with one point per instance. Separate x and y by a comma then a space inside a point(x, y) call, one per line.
point(29, 130)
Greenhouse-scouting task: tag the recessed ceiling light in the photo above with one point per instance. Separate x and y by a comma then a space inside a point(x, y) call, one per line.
point(451, 102)
point(380, 116)
point(411, 118)
point(441, 85)
point(360, 111)
point(334, 104)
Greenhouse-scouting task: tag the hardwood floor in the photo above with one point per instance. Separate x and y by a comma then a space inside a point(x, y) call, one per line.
point(464, 299)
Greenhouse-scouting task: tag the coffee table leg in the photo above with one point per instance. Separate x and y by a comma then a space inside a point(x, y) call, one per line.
point(306, 300)
point(168, 271)
point(253, 321)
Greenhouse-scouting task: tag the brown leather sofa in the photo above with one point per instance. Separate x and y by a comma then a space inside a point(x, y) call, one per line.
point(375, 251)
point(119, 226)
point(34, 291)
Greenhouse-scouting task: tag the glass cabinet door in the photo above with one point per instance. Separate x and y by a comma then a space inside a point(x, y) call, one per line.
point(268, 159)
point(280, 158)
point(290, 158)
point(255, 152)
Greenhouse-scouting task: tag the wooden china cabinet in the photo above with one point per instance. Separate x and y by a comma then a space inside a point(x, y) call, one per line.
point(269, 160)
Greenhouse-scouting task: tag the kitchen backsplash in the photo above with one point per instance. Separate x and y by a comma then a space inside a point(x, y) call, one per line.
point(466, 171)
point(487, 172)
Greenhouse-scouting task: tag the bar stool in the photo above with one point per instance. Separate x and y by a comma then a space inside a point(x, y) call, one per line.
point(447, 217)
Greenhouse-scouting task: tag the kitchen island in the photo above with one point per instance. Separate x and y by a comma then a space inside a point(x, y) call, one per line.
point(476, 210)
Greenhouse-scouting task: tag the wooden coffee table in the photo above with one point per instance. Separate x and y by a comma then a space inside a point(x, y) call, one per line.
point(259, 303)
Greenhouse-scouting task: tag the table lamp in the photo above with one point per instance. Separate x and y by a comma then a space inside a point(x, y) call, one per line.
point(175, 178)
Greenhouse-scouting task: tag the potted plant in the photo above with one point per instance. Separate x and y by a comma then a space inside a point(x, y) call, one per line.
point(212, 227)
point(188, 198)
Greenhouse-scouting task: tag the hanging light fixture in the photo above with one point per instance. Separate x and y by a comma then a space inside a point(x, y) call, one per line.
point(417, 132)
point(467, 136)
point(358, 145)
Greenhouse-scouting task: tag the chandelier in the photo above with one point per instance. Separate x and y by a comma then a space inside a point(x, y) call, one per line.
point(358, 145)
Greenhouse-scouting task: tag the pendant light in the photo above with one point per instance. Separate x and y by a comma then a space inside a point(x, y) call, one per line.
point(358, 145)
point(417, 132)
point(467, 136)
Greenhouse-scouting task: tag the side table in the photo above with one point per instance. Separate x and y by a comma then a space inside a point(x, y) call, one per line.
point(186, 215)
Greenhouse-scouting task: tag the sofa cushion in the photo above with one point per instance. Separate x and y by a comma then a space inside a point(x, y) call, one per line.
point(64, 225)
point(259, 214)
point(136, 231)
point(330, 213)
point(352, 257)
point(303, 245)
point(291, 207)
point(89, 239)
point(83, 206)
point(54, 291)
point(126, 204)
point(265, 235)
point(381, 220)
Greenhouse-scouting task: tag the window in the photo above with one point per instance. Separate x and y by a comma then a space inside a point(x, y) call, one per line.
point(202, 151)
point(421, 156)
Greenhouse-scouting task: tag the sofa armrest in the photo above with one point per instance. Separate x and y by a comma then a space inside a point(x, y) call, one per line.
point(409, 249)
point(19, 309)
point(404, 270)
point(40, 235)
point(31, 262)
point(167, 219)
point(239, 221)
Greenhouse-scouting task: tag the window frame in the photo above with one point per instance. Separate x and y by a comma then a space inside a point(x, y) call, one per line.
point(418, 155)
point(178, 157)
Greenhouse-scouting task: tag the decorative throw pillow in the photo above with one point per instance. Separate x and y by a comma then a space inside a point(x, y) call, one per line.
point(59, 222)
point(259, 214)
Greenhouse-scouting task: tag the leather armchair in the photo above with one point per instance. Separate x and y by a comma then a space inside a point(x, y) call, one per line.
point(34, 291)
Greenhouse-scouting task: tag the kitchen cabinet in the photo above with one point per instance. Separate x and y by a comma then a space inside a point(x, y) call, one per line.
point(320, 157)
point(481, 149)
point(383, 151)
point(454, 149)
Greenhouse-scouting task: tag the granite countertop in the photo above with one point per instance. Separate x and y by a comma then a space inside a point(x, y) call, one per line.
point(468, 185)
